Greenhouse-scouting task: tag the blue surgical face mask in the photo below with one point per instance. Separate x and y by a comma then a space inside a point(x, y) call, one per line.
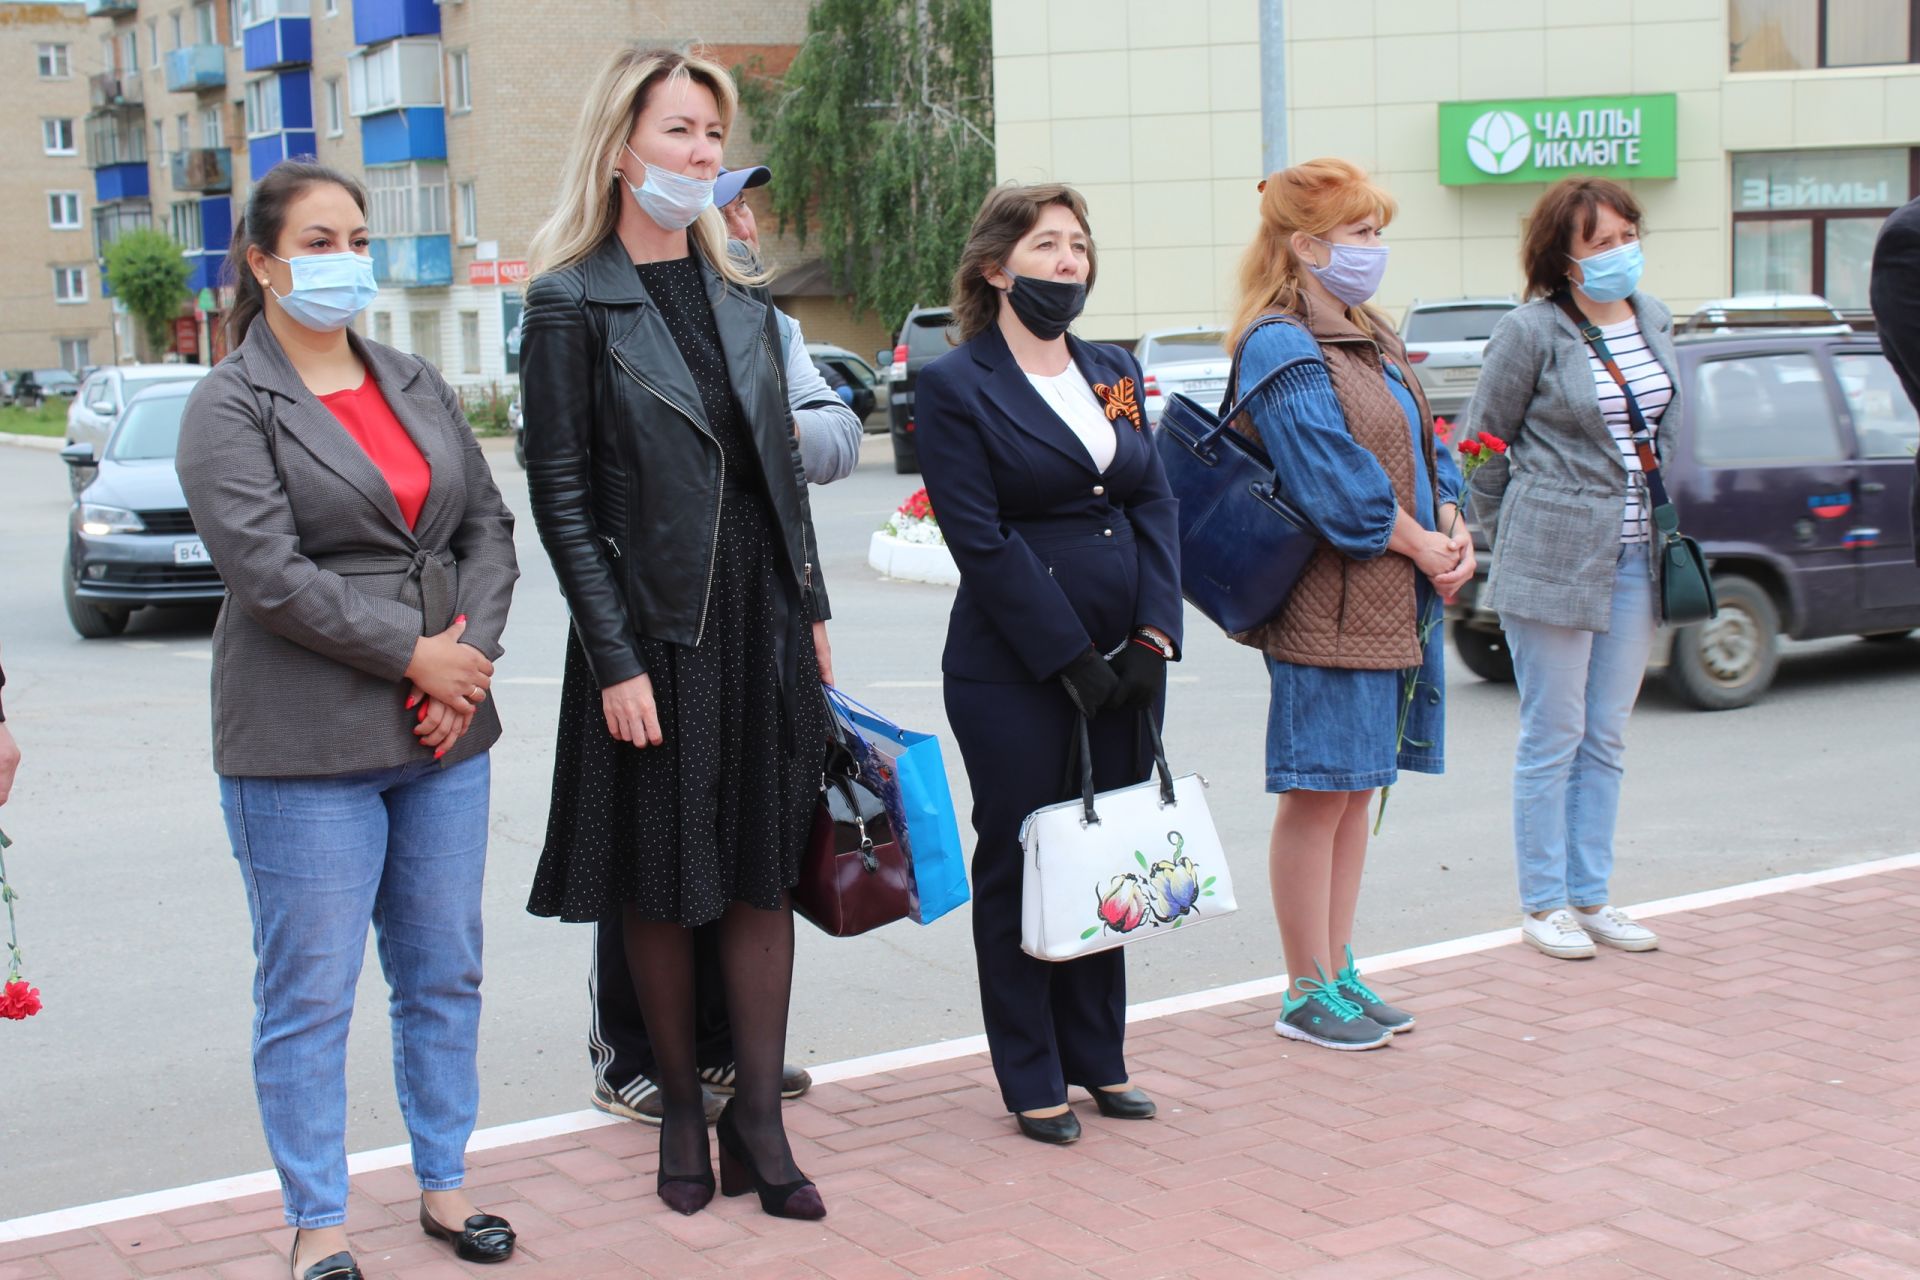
point(1613, 275)
point(671, 199)
point(1353, 272)
point(329, 289)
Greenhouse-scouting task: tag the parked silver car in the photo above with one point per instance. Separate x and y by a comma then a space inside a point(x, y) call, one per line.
point(1446, 341)
point(1191, 362)
point(104, 396)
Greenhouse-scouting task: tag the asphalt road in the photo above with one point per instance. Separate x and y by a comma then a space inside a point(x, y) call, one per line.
point(135, 1077)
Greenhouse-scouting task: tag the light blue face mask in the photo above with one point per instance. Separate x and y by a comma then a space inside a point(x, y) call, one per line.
point(1613, 275)
point(671, 199)
point(329, 289)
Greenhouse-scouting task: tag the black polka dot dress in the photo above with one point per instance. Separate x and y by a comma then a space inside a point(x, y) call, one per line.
point(720, 812)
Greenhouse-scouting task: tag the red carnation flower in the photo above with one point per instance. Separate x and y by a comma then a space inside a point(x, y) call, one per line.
point(19, 1000)
point(1469, 447)
point(1493, 442)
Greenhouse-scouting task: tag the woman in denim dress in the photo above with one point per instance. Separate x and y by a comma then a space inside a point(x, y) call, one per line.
point(1353, 445)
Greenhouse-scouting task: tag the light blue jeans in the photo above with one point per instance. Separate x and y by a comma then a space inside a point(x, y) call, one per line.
point(403, 849)
point(1577, 689)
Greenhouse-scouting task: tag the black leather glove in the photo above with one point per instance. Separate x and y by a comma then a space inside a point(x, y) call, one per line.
point(1090, 683)
point(1142, 675)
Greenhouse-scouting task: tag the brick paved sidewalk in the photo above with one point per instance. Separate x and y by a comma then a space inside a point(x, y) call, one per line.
point(1745, 1102)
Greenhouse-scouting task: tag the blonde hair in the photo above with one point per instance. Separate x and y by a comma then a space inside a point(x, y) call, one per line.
point(1314, 198)
point(590, 190)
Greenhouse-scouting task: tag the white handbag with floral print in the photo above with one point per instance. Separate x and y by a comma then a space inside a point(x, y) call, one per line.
point(1108, 869)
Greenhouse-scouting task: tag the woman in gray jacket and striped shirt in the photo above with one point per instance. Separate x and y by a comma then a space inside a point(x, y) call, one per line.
point(1571, 578)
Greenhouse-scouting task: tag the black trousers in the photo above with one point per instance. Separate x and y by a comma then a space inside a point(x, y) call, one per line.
point(1049, 1024)
point(617, 1040)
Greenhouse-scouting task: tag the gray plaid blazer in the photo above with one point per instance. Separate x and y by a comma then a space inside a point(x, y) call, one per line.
point(1552, 504)
point(327, 588)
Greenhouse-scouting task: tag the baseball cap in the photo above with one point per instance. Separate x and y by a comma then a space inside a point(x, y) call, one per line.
point(727, 188)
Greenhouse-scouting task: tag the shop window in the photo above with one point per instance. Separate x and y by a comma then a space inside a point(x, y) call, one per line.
point(470, 342)
point(1883, 417)
point(1805, 221)
point(1802, 35)
point(1757, 410)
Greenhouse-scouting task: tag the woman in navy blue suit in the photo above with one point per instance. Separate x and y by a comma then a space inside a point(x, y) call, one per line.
point(1052, 500)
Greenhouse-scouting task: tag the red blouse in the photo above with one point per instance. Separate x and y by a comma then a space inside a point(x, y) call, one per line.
point(364, 413)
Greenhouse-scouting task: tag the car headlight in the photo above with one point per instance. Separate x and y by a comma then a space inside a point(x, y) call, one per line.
point(98, 521)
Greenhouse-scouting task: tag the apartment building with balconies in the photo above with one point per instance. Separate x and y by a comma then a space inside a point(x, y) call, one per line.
point(51, 309)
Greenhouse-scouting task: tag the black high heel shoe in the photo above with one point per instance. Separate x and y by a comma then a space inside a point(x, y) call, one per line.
point(482, 1238)
point(799, 1199)
point(1124, 1104)
point(684, 1193)
point(335, 1266)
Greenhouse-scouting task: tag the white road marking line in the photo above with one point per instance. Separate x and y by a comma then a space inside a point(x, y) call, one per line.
point(79, 1217)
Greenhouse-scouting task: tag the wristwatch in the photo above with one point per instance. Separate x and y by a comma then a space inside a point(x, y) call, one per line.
point(1153, 640)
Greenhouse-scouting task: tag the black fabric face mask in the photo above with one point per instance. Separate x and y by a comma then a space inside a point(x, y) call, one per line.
point(1047, 307)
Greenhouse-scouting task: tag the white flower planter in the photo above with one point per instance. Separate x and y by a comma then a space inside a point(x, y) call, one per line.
point(912, 561)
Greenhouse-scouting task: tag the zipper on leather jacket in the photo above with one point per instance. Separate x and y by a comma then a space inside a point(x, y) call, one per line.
point(719, 493)
point(613, 544)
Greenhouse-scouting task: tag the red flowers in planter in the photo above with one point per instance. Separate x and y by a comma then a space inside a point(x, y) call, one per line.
point(917, 506)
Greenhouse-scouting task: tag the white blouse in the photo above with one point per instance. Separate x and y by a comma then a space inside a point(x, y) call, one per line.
point(1068, 395)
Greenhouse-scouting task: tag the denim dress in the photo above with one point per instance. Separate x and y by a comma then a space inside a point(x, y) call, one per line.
point(1334, 728)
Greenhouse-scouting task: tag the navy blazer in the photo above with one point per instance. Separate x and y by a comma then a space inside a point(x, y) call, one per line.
point(1054, 556)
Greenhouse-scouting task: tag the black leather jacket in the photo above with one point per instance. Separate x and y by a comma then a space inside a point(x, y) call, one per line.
point(623, 470)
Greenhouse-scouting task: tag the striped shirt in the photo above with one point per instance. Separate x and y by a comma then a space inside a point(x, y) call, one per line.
point(1652, 390)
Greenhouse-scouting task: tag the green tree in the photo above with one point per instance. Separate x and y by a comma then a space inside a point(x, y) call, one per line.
point(148, 270)
point(881, 137)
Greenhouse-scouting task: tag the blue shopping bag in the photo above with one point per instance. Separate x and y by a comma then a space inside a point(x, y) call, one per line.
point(905, 768)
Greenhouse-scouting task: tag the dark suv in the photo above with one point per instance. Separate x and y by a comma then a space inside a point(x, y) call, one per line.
point(927, 334)
point(1793, 472)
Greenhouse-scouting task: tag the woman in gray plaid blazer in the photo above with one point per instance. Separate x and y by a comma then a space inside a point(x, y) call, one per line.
point(1571, 577)
point(369, 564)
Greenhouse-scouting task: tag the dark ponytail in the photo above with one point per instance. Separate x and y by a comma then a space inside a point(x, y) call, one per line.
point(261, 224)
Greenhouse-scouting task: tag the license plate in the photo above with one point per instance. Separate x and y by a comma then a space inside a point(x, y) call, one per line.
point(1469, 374)
point(1204, 384)
point(191, 552)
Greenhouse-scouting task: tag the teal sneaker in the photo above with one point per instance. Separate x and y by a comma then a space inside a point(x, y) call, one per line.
point(1321, 1015)
point(1358, 992)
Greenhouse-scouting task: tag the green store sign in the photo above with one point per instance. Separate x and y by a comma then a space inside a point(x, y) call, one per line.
point(1541, 139)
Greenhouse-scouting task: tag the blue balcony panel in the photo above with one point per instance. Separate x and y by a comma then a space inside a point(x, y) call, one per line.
point(216, 224)
point(413, 261)
point(378, 20)
point(196, 66)
point(205, 273)
point(282, 42)
point(411, 133)
point(265, 152)
point(121, 182)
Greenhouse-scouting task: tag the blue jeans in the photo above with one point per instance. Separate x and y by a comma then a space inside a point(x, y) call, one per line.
point(403, 849)
point(1576, 690)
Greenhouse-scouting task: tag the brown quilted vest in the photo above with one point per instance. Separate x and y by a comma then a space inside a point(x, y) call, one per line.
point(1357, 614)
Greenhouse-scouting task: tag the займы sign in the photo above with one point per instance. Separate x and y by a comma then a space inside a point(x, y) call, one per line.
point(1541, 139)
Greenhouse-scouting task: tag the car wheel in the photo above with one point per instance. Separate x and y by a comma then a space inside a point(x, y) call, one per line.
point(1483, 652)
point(89, 619)
point(1729, 660)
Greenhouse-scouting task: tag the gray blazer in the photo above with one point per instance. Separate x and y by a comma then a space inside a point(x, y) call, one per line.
point(327, 588)
point(1552, 504)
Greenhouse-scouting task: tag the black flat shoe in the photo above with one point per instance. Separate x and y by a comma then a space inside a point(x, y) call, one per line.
point(1128, 1104)
point(484, 1238)
point(738, 1175)
point(1058, 1130)
point(335, 1266)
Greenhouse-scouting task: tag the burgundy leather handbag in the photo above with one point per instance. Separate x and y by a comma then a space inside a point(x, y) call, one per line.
point(854, 876)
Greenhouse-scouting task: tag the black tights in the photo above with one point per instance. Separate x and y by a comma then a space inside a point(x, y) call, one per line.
point(756, 961)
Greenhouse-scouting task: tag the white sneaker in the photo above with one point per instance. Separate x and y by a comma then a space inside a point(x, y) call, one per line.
point(1616, 928)
point(1559, 935)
